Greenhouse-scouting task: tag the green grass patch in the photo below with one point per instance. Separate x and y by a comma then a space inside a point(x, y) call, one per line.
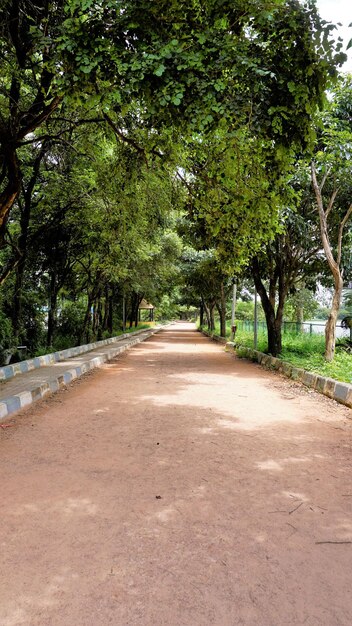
point(140, 326)
point(305, 351)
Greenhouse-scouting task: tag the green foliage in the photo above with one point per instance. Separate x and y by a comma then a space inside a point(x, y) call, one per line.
point(201, 61)
point(305, 351)
point(102, 221)
point(256, 65)
point(233, 203)
point(6, 338)
point(105, 107)
point(69, 323)
point(245, 310)
point(167, 308)
point(322, 313)
point(348, 299)
point(302, 302)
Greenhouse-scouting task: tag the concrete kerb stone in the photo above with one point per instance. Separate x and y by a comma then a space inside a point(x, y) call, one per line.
point(9, 371)
point(286, 369)
point(349, 397)
point(297, 373)
point(341, 392)
point(15, 403)
point(309, 379)
point(216, 338)
point(329, 387)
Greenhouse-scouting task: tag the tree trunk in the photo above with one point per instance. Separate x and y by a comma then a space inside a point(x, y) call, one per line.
point(12, 189)
point(133, 310)
point(299, 310)
point(201, 314)
point(222, 312)
point(84, 336)
point(207, 314)
point(300, 317)
point(211, 316)
point(99, 320)
point(52, 311)
point(222, 316)
point(330, 327)
point(136, 300)
point(221, 307)
point(16, 313)
point(273, 323)
point(22, 247)
point(274, 333)
point(333, 262)
point(106, 309)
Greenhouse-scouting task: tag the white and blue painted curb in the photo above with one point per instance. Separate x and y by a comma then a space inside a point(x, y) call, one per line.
point(9, 371)
point(21, 400)
point(334, 389)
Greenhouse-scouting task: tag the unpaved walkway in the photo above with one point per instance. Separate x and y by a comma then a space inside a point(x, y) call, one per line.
point(177, 486)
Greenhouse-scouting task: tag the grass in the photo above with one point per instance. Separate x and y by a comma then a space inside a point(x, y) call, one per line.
point(305, 351)
point(64, 343)
point(140, 326)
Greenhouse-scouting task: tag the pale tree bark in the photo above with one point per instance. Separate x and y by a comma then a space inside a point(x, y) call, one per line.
point(206, 310)
point(221, 306)
point(334, 262)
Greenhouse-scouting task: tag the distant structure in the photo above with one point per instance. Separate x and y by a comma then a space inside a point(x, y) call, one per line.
point(146, 306)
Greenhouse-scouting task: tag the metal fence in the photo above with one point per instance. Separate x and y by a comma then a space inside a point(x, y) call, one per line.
point(310, 327)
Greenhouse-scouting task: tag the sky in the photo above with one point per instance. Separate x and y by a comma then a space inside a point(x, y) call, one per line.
point(339, 11)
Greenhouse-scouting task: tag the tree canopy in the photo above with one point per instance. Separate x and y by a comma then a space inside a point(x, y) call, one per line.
point(126, 125)
point(264, 64)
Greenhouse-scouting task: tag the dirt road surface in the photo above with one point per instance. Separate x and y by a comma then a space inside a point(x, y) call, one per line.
point(177, 486)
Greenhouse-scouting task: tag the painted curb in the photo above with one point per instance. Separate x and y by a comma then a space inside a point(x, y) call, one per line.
point(19, 401)
point(341, 392)
point(9, 371)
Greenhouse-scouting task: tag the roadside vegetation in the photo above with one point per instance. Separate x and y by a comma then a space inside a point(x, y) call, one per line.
point(305, 351)
point(162, 152)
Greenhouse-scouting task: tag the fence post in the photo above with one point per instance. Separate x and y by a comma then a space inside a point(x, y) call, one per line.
point(255, 319)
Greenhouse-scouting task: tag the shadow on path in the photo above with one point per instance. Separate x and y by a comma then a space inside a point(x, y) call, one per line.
point(179, 486)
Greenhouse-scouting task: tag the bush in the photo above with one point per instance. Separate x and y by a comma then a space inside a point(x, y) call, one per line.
point(69, 324)
point(6, 338)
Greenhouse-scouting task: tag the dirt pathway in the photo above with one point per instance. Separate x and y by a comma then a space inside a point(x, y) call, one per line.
point(177, 486)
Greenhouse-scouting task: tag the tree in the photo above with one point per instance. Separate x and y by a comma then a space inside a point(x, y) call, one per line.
point(330, 174)
point(98, 224)
point(281, 266)
point(173, 62)
point(232, 204)
point(205, 286)
point(28, 35)
point(301, 305)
